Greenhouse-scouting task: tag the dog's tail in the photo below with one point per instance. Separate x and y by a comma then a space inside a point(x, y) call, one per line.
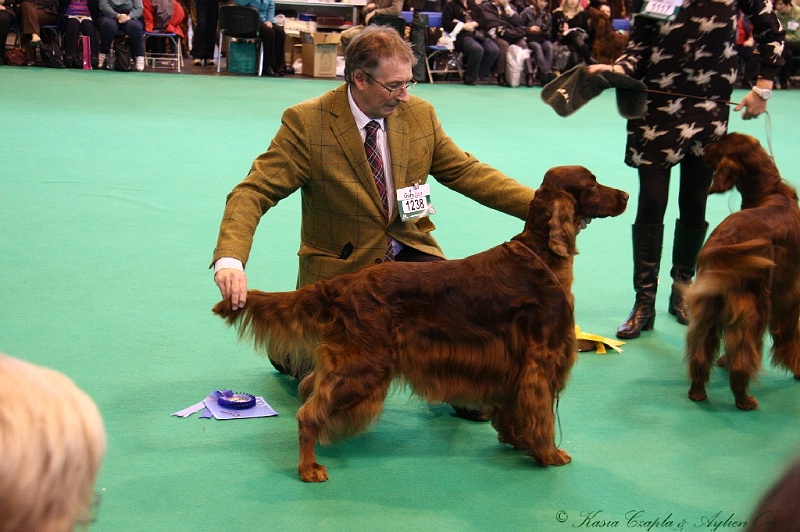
point(728, 266)
point(726, 273)
point(282, 325)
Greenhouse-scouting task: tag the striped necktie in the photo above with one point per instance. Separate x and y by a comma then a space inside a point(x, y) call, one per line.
point(376, 164)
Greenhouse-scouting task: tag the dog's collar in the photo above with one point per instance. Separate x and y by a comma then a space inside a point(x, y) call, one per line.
point(550, 270)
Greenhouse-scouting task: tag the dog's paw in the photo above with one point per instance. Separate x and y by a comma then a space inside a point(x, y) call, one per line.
point(697, 393)
point(746, 402)
point(554, 457)
point(508, 439)
point(313, 473)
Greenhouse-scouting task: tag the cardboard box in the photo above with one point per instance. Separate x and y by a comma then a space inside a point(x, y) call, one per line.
point(319, 54)
point(293, 26)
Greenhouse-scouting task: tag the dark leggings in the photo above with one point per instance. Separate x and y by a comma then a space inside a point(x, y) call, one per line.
point(692, 196)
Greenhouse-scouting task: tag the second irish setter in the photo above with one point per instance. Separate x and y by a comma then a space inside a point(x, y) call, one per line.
point(494, 329)
point(748, 273)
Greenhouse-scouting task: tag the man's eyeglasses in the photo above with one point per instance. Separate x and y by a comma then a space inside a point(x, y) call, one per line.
point(394, 88)
point(90, 515)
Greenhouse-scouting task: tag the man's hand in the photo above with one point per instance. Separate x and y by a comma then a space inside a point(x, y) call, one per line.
point(232, 285)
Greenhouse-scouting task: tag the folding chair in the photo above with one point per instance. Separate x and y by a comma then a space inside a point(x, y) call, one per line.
point(13, 31)
point(441, 60)
point(621, 24)
point(398, 23)
point(53, 30)
point(243, 23)
point(173, 58)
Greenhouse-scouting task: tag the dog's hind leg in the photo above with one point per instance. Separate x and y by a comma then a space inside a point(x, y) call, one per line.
point(702, 345)
point(309, 419)
point(701, 350)
point(505, 423)
point(785, 330)
point(743, 344)
point(346, 397)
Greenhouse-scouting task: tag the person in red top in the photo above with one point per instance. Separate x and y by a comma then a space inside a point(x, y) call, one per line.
point(745, 45)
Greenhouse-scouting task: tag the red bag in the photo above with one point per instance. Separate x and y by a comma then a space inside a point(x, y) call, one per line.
point(87, 52)
point(15, 57)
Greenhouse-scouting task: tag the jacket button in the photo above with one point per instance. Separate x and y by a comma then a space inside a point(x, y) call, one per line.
point(378, 261)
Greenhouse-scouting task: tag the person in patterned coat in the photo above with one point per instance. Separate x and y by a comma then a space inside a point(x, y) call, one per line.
point(691, 61)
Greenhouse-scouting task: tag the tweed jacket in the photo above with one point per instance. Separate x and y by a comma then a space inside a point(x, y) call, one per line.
point(318, 150)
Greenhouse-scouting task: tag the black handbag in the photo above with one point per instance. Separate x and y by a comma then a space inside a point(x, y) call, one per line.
point(52, 56)
point(122, 53)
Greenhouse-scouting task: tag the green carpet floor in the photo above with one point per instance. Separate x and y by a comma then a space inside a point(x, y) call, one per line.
point(111, 193)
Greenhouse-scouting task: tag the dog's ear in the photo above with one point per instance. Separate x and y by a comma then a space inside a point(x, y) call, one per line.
point(725, 174)
point(562, 227)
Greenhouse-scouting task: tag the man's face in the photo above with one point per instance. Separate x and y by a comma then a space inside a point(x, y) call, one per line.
point(375, 100)
point(784, 7)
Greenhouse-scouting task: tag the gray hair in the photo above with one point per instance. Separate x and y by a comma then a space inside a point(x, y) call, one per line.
point(372, 45)
point(52, 443)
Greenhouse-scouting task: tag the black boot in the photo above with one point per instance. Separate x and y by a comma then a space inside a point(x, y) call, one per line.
point(647, 244)
point(685, 249)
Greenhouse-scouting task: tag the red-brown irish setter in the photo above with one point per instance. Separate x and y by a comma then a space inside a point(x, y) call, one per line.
point(496, 329)
point(748, 273)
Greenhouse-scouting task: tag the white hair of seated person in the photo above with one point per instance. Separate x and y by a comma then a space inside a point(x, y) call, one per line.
point(52, 443)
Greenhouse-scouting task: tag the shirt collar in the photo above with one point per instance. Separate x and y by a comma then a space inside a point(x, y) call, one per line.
point(358, 114)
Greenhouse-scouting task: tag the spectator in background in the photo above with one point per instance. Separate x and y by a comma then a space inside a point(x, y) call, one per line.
point(7, 17)
point(745, 46)
point(205, 32)
point(538, 19)
point(273, 37)
point(503, 24)
point(76, 18)
point(190, 14)
point(392, 8)
point(572, 28)
point(789, 15)
point(125, 16)
point(480, 51)
point(52, 443)
point(33, 15)
point(617, 8)
point(163, 16)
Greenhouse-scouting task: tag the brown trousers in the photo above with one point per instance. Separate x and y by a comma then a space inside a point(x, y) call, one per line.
point(33, 19)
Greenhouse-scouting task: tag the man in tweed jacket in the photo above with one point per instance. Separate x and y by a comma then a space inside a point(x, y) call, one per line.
point(319, 149)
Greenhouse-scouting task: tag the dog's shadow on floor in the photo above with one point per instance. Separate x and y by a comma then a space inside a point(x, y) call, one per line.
point(287, 384)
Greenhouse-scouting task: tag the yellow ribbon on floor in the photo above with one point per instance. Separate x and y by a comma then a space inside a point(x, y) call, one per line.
point(600, 342)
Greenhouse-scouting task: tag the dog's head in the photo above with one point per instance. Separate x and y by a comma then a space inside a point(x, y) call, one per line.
point(740, 161)
point(569, 196)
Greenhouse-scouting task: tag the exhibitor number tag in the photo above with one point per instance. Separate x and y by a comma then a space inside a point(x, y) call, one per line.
point(414, 202)
point(661, 9)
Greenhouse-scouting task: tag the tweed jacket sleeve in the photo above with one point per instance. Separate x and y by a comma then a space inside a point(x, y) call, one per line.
point(456, 169)
point(318, 150)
